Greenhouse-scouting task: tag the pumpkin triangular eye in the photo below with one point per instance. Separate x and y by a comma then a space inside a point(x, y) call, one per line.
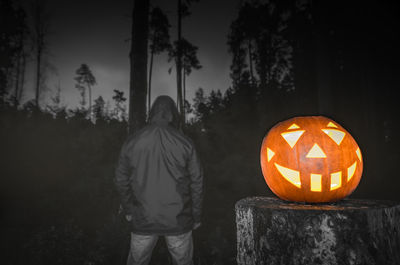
point(316, 152)
point(292, 137)
point(335, 135)
point(331, 124)
point(293, 126)
point(270, 154)
point(358, 152)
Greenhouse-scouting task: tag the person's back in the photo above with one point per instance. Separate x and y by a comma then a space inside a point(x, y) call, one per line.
point(159, 176)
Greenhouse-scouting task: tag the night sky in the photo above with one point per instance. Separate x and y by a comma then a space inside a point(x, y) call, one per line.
point(97, 33)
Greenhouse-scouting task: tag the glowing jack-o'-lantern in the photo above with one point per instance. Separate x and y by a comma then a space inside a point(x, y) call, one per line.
point(311, 159)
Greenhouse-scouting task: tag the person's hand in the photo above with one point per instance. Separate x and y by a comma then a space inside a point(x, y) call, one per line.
point(196, 225)
point(128, 217)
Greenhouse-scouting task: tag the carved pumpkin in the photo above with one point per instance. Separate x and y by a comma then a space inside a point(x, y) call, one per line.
point(311, 159)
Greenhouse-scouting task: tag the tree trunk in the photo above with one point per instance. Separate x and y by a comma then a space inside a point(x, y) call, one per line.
point(304, 66)
point(251, 63)
point(39, 30)
point(324, 75)
point(179, 62)
point(90, 101)
point(325, 55)
point(272, 231)
point(17, 79)
point(150, 74)
point(262, 66)
point(184, 96)
point(138, 62)
point(21, 86)
point(20, 68)
point(38, 76)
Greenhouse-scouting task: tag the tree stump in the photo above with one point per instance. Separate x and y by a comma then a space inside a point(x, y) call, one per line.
point(271, 231)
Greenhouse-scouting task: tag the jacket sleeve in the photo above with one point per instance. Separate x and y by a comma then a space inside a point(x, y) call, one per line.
point(196, 186)
point(122, 182)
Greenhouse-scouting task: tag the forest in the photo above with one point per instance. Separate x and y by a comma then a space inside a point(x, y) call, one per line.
point(338, 59)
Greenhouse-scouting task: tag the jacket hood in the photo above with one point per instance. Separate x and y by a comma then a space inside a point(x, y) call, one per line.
point(164, 111)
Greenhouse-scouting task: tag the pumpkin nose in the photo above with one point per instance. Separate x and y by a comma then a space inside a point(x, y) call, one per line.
point(316, 152)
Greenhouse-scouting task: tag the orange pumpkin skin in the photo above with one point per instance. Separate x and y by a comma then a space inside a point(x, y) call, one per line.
point(311, 159)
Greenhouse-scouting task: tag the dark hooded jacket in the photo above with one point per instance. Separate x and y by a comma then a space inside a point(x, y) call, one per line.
point(159, 176)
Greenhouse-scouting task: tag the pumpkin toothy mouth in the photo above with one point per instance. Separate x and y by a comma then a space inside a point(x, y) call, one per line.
point(293, 176)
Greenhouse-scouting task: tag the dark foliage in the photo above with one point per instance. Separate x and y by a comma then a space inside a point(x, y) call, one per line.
point(58, 197)
point(58, 201)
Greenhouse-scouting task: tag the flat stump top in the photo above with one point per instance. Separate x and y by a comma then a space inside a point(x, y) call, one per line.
point(342, 205)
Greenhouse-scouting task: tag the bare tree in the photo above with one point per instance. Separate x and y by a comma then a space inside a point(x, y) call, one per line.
point(159, 40)
point(40, 33)
point(85, 79)
point(138, 62)
point(189, 62)
point(178, 59)
point(13, 33)
point(183, 11)
point(120, 109)
point(99, 112)
point(21, 55)
point(257, 35)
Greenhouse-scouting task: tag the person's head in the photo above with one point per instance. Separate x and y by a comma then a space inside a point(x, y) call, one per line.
point(164, 110)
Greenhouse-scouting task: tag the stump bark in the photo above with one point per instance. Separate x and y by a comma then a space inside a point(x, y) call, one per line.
point(354, 232)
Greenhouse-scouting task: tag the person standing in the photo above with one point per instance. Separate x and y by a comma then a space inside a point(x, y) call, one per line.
point(160, 180)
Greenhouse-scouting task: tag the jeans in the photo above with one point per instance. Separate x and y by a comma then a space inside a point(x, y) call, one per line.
point(180, 247)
